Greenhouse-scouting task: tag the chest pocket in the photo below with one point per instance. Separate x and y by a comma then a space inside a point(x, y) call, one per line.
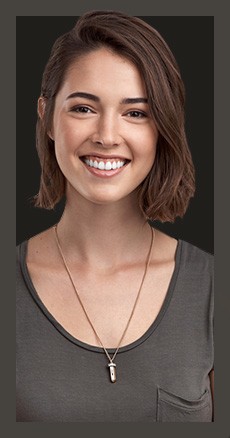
point(172, 408)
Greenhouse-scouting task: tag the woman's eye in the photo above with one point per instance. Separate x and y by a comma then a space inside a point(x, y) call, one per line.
point(136, 114)
point(81, 109)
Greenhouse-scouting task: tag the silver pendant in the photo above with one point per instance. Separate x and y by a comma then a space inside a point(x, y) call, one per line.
point(112, 370)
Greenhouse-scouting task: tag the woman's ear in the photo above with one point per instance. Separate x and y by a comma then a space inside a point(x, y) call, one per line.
point(41, 107)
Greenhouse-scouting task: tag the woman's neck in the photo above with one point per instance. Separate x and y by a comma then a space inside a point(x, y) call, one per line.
point(103, 235)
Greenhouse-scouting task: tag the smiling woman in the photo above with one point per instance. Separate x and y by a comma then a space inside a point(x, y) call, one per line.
point(103, 288)
point(102, 122)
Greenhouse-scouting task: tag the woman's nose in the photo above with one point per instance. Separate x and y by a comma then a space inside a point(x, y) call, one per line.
point(107, 132)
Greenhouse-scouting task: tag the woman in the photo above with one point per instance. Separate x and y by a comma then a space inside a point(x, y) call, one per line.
point(103, 288)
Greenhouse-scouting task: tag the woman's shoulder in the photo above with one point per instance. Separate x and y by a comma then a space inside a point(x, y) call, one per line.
point(196, 264)
point(184, 252)
point(195, 253)
point(38, 247)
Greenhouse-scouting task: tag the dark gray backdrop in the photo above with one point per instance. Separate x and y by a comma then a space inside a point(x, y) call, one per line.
point(191, 40)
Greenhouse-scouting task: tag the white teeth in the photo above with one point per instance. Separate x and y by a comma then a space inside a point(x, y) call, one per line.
point(108, 165)
point(104, 166)
point(101, 165)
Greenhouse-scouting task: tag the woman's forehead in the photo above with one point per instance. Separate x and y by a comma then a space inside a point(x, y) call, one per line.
point(103, 71)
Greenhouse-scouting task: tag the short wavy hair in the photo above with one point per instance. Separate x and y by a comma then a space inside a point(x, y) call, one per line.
point(165, 192)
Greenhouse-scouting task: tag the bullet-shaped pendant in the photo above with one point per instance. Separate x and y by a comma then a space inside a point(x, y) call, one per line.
point(112, 370)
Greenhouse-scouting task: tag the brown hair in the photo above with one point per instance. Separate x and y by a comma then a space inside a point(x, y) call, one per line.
point(167, 189)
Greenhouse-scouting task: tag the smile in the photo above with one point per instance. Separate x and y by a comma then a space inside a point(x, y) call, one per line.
point(104, 166)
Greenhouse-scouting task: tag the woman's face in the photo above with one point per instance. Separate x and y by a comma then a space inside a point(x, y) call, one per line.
point(105, 140)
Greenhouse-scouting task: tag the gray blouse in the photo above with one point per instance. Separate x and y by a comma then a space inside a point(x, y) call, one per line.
point(161, 377)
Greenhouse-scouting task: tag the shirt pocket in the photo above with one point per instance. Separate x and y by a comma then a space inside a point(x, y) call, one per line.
point(173, 408)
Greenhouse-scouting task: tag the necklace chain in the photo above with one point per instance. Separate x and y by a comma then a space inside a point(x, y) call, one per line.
point(111, 359)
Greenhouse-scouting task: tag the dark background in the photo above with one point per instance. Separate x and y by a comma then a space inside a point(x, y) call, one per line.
point(191, 40)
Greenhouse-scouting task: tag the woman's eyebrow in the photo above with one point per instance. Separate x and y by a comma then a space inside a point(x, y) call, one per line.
point(131, 100)
point(126, 100)
point(84, 95)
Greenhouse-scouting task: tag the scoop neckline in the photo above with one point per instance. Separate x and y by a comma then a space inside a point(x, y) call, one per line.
point(28, 281)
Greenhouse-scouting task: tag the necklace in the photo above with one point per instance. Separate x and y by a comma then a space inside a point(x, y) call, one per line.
point(111, 364)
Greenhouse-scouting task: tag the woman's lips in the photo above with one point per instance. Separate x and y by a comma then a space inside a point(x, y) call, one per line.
point(104, 167)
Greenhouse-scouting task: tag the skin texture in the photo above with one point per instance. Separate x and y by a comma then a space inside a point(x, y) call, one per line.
point(81, 124)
